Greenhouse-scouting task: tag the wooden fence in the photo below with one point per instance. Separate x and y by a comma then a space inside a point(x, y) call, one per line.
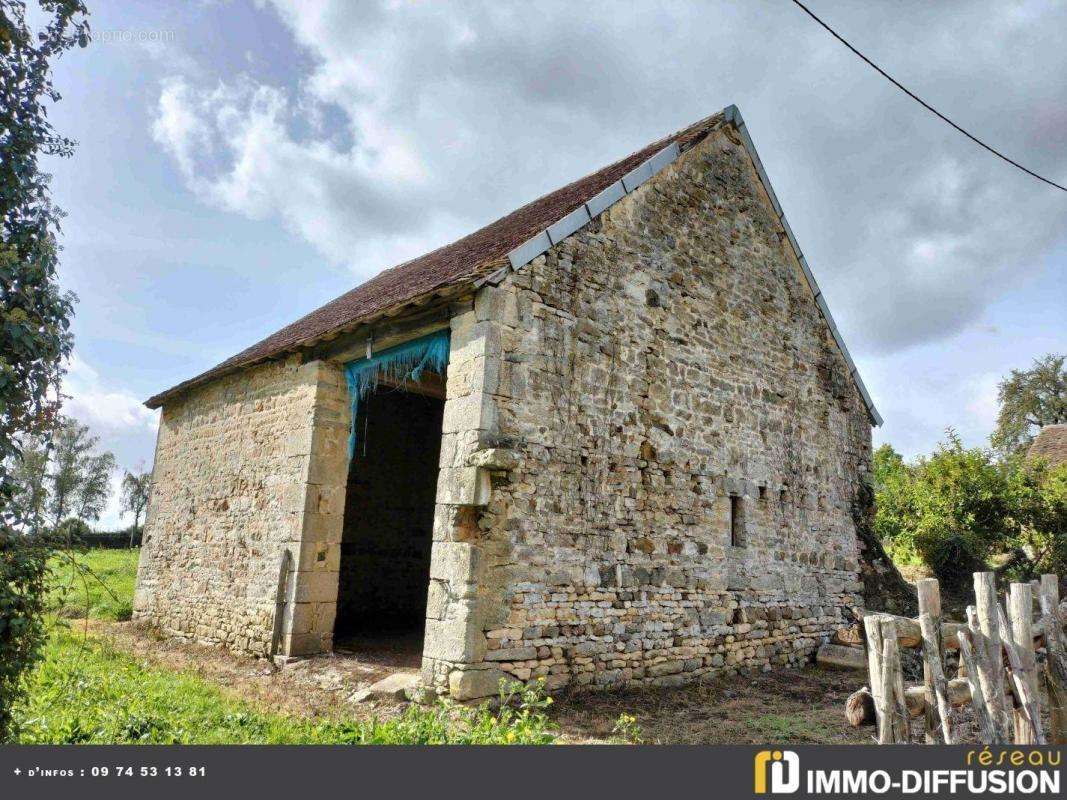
point(1000, 674)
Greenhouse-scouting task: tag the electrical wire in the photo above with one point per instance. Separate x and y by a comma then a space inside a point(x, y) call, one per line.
point(923, 103)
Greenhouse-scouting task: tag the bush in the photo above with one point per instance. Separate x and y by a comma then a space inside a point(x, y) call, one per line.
point(960, 509)
point(23, 574)
point(72, 530)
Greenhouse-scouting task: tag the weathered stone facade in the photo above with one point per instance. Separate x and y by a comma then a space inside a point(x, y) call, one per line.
point(651, 450)
point(635, 377)
point(246, 468)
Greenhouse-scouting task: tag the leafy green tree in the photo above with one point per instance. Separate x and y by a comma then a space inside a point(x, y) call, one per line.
point(1029, 400)
point(894, 511)
point(34, 312)
point(964, 512)
point(79, 479)
point(960, 510)
point(1038, 494)
point(29, 472)
point(950, 510)
point(134, 498)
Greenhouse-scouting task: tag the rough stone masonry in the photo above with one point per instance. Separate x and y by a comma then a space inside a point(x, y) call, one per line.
point(653, 461)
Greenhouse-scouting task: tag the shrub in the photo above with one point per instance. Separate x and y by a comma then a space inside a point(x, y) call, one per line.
point(23, 573)
point(960, 509)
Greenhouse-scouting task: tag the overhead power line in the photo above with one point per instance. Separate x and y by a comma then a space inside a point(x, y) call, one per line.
point(923, 103)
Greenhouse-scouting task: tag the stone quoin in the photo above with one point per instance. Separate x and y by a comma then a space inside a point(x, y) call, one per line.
point(646, 460)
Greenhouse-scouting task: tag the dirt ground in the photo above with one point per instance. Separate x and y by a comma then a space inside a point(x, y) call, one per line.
point(314, 687)
point(795, 706)
point(804, 706)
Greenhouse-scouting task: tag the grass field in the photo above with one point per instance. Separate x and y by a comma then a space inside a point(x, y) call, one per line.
point(87, 690)
point(97, 583)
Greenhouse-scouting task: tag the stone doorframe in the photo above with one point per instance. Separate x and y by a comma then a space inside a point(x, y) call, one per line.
point(454, 644)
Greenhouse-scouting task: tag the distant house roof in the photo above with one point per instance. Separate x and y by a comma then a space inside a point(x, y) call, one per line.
point(510, 242)
point(1050, 445)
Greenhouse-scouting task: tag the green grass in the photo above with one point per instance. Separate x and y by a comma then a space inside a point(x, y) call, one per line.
point(785, 728)
point(96, 583)
point(87, 692)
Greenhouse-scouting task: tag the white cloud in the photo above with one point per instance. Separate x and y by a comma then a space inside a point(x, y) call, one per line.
point(108, 410)
point(417, 122)
point(236, 148)
point(982, 407)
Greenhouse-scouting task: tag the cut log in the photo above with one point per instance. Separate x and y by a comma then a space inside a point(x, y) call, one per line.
point(860, 710)
point(849, 636)
point(835, 656)
point(909, 634)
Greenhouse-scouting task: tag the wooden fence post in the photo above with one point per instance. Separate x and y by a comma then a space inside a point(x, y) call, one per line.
point(985, 630)
point(1055, 661)
point(978, 702)
point(1028, 711)
point(873, 625)
point(1021, 608)
point(934, 673)
point(893, 683)
point(930, 605)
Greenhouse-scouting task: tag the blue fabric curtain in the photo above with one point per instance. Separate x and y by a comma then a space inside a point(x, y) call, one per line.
point(405, 362)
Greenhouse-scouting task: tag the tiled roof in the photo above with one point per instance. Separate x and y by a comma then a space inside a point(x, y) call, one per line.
point(509, 243)
point(1050, 444)
point(461, 262)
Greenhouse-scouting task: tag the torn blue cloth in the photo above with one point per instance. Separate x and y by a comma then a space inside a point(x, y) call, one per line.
point(405, 362)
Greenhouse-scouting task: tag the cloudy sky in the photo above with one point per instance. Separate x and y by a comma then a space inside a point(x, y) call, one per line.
point(242, 163)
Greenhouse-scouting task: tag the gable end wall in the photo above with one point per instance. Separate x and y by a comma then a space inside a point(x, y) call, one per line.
point(666, 356)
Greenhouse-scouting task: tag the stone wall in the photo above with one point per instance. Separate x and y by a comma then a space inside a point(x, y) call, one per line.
point(617, 391)
point(246, 467)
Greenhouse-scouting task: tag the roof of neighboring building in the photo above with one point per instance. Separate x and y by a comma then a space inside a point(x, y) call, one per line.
point(1050, 444)
point(516, 239)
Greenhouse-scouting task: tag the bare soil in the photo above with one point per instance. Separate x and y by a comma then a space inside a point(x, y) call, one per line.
point(800, 706)
point(313, 687)
point(794, 706)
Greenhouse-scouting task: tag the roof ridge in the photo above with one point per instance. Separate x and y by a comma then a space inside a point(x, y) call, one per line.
point(509, 243)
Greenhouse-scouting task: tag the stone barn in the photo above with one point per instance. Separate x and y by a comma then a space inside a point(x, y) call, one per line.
point(613, 438)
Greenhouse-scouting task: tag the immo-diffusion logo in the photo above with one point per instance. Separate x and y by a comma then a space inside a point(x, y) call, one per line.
point(784, 769)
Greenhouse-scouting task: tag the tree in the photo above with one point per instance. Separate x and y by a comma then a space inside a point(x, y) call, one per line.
point(29, 472)
point(78, 479)
point(895, 514)
point(135, 497)
point(949, 510)
point(1038, 494)
point(34, 312)
point(960, 510)
point(1030, 399)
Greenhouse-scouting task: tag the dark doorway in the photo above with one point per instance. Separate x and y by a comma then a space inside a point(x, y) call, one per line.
point(388, 525)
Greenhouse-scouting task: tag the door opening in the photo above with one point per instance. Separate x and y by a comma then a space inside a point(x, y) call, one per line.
point(388, 522)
